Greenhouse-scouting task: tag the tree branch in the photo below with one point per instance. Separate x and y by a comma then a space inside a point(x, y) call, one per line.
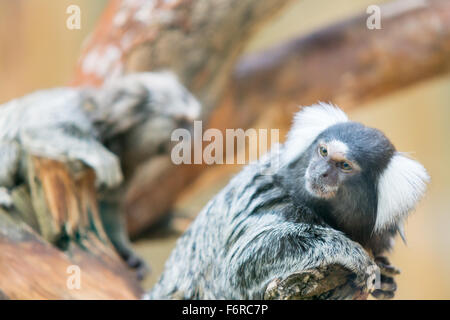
point(63, 209)
point(347, 63)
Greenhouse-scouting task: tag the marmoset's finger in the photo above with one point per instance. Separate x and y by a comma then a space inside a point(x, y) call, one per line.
point(385, 266)
point(388, 284)
point(388, 270)
point(382, 295)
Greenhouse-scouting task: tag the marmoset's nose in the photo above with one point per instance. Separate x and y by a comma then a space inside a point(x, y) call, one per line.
point(327, 174)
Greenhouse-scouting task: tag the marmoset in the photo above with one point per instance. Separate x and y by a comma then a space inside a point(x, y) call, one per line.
point(128, 120)
point(339, 196)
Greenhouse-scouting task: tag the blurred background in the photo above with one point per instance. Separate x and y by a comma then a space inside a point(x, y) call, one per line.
point(38, 51)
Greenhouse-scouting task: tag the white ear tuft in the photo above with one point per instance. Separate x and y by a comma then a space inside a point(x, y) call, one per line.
point(401, 186)
point(307, 125)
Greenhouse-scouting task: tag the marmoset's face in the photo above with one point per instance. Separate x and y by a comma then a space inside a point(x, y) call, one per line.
point(329, 167)
point(167, 97)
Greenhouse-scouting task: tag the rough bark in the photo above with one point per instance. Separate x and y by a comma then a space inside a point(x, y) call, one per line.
point(54, 224)
point(319, 283)
point(198, 40)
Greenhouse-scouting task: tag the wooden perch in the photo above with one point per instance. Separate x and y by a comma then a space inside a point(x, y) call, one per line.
point(320, 283)
point(65, 205)
point(345, 63)
point(58, 207)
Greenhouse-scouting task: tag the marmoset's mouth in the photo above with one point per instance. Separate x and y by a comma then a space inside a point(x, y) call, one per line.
point(319, 190)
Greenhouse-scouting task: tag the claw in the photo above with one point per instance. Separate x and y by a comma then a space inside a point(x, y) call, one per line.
point(387, 283)
point(380, 294)
point(139, 265)
point(386, 268)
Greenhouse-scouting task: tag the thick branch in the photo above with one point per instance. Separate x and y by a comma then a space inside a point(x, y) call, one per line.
point(331, 281)
point(199, 40)
point(347, 63)
point(63, 209)
point(42, 268)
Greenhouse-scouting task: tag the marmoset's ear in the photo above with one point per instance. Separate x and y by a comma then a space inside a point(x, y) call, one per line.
point(401, 186)
point(307, 125)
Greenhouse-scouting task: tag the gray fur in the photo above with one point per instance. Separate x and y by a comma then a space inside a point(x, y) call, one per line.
point(133, 114)
point(263, 227)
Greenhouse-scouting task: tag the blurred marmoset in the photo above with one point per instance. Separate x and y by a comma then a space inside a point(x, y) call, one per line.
point(338, 198)
point(130, 117)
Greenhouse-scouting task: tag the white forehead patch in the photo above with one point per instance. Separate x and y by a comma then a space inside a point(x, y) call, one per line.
point(336, 146)
point(401, 186)
point(307, 125)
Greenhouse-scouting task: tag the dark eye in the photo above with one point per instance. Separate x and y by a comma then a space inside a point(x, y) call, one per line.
point(345, 166)
point(323, 151)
